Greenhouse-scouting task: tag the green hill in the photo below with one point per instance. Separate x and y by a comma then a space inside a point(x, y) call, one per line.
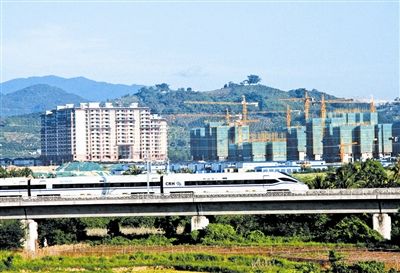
point(35, 98)
point(81, 86)
point(20, 136)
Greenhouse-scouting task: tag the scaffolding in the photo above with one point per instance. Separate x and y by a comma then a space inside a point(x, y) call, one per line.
point(339, 137)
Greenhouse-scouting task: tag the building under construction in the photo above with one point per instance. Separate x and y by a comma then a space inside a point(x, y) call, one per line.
point(218, 141)
point(334, 137)
point(340, 137)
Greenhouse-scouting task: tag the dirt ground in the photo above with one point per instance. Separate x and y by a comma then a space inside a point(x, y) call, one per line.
point(294, 253)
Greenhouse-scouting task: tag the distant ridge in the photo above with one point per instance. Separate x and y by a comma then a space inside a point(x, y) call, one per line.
point(89, 89)
point(36, 98)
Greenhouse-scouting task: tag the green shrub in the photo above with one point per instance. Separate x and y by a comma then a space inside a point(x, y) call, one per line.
point(308, 268)
point(218, 233)
point(61, 231)
point(11, 234)
point(369, 267)
point(352, 230)
point(152, 240)
point(256, 236)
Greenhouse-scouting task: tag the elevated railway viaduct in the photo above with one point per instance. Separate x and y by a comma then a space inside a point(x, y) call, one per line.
point(379, 202)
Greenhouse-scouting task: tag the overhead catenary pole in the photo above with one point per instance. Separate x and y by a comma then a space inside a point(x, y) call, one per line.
point(147, 172)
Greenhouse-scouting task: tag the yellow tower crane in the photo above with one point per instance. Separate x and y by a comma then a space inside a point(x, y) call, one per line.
point(244, 119)
point(227, 115)
point(288, 117)
point(372, 106)
point(323, 107)
point(244, 103)
point(342, 145)
point(324, 102)
point(307, 103)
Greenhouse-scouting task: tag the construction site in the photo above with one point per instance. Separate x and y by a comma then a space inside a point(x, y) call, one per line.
point(342, 135)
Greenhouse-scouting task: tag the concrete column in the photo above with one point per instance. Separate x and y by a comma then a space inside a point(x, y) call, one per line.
point(31, 234)
point(383, 224)
point(199, 222)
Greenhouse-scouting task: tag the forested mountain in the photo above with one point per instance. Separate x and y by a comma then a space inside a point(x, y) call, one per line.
point(20, 136)
point(270, 113)
point(36, 98)
point(270, 110)
point(83, 87)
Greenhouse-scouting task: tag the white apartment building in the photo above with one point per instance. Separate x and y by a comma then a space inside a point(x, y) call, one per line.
point(103, 133)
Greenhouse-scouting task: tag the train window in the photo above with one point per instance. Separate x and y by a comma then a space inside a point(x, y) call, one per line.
point(73, 186)
point(99, 185)
point(12, 187)
point(21, 187)
point(287, 179)
point(270, 181)
point(230, 182)
point(37, 187)
point(48, 195)
point(10, 196)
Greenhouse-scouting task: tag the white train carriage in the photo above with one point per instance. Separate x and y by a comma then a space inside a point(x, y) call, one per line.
point(96, 186)
point(125, 185)
point(14, 187)
point(225, 183)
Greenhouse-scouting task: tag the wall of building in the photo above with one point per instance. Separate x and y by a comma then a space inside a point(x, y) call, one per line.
point(94, 132)
point(339, 137)
point(296, 143)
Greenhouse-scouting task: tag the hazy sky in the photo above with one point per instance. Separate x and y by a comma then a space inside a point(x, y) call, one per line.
point(346, 49)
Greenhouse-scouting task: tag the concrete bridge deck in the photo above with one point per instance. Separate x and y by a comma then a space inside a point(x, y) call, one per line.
point(312, 202)
point(379, 202)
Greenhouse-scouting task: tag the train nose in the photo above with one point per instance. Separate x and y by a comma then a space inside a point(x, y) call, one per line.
point(304, 187)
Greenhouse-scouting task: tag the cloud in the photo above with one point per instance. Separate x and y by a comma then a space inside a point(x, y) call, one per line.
point(192, 72)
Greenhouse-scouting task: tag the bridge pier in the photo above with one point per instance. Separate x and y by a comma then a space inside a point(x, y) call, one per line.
point(199, 222)
point(31, 234)
point(383, 224)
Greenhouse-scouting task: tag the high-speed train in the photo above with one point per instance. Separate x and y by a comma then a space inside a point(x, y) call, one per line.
point(125, 185)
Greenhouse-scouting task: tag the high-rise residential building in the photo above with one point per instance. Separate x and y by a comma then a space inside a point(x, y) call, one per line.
point(340, 137)
point(103, 133)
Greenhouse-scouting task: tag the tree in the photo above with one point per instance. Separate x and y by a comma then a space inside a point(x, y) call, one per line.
point(343, 177)
point(218, 233)
point(352, 229)
point(3, 172)
point(25, 172)
point(139, 221)
point(253, 79)
point(133, 170)
point(371, 174)
point(184, 170)
point(11, 234)
point(368, 174)
point(113, 228)
point(170, 224)
point(319, 182)
point(163, 86)
point(242, 223)
point(61, 231)
point(396, 171)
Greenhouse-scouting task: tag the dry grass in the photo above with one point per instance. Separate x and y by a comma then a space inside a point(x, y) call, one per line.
point(314, 254)
point(124, 230)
